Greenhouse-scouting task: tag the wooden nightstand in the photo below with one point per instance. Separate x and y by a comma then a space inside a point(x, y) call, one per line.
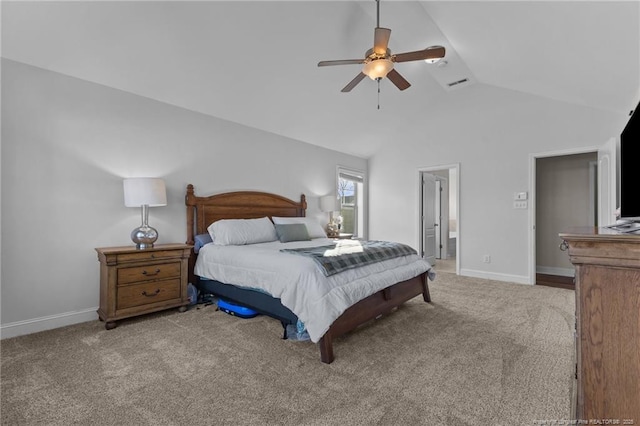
point(135, 282)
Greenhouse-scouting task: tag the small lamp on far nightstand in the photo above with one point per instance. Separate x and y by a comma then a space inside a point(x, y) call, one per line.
point(329, 203)
point(144, 193)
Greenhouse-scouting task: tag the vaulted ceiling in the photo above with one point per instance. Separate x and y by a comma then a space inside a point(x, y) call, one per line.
point(255, 63)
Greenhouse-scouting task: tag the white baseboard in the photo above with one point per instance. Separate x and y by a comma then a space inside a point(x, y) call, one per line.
point(549, 270)
point(518, 279)
point(20, 328)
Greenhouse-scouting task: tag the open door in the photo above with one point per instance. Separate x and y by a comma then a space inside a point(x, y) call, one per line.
point(607, 183)
point(438, 219)
point(429, 218)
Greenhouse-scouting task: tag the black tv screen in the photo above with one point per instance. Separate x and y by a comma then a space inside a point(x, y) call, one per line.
point(630, 168)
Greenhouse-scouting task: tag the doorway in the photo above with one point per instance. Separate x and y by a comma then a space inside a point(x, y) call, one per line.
point(604, 197)
point(565, 197)
point(439, 236)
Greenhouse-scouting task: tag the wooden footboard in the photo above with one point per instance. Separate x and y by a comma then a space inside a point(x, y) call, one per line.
point(377, 304)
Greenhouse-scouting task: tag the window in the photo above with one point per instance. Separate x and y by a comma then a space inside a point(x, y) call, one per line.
point(351, 192)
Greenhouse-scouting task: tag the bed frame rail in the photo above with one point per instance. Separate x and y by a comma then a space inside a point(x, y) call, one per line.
point(380, 303)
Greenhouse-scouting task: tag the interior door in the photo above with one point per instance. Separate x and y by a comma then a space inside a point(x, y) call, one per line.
point(607, 183)
point(438, 218)
point(429, 217)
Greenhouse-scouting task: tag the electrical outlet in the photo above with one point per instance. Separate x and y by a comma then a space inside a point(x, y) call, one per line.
point(486, 258)
point(519, 204)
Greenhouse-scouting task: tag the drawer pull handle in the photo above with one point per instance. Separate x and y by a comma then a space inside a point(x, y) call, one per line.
point(151, 274)
point(144, 293)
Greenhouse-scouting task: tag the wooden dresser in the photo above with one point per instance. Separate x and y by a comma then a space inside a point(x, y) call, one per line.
point(135, 282)
point(607, 324)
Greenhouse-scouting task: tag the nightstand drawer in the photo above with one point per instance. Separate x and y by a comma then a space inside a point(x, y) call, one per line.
point(145, 293)
point(145, 256)
point(148, 272)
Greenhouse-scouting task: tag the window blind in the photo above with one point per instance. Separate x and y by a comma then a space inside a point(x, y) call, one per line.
point(351, 177)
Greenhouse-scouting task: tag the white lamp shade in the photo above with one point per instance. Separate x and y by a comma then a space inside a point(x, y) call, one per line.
point(329, 203)
point(144, 191)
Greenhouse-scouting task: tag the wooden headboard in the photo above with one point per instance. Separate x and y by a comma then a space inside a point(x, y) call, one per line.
point(203, 211)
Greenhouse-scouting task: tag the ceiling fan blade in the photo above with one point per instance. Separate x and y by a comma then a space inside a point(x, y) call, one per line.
point(341, 62)
point(353, 83)
point(398, 80)
point(433, 52)
point(381, 40)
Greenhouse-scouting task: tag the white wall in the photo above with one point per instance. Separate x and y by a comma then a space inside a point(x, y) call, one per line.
point(67, 144)
point(490, 132)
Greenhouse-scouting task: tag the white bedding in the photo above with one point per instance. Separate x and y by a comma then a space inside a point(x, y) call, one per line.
point(316, 300)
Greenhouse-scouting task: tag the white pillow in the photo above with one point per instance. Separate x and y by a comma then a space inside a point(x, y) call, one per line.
point(236, 232)
point(314, 229)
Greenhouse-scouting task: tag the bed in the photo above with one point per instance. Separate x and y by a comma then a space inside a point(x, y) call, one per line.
point(203, 211)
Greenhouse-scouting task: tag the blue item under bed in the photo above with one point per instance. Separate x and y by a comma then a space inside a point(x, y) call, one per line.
point(236, 310)
point(259, 301)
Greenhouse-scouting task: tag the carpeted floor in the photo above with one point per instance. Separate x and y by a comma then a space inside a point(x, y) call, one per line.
point(483, 353)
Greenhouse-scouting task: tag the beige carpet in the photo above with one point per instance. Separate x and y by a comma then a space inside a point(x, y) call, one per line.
point(484, 353)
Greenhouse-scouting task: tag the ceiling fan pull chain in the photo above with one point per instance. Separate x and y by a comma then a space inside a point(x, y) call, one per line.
point(378, 91)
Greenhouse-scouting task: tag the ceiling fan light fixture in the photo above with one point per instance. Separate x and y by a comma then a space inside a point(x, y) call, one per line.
point(377, 68)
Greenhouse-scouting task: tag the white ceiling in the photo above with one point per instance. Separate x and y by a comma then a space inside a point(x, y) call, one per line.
point(254, 63)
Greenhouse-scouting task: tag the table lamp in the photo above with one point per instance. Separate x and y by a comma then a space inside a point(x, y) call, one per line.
point(144, 193)
point(329, 203)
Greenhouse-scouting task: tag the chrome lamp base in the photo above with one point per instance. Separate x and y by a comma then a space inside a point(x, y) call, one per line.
point(144, 236)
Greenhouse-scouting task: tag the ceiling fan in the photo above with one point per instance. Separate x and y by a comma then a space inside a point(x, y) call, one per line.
point(378, 61)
